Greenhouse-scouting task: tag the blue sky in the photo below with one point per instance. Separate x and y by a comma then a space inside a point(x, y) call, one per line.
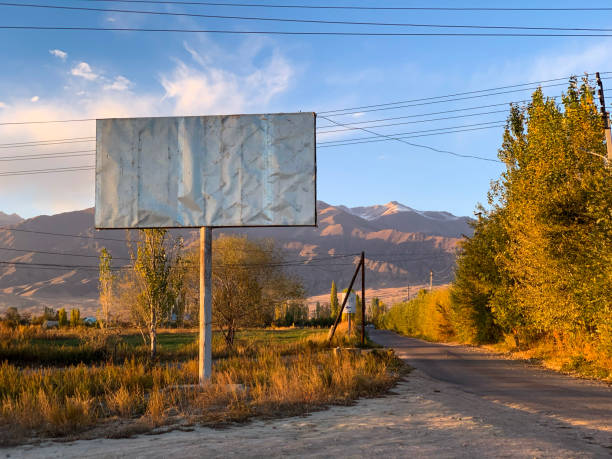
point(52, 75)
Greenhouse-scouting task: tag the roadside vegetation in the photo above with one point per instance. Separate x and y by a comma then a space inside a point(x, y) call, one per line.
point(536, 277)
point(134, 367)
point(268, 373)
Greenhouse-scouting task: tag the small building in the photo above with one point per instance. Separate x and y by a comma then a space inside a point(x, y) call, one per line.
point(90, 321)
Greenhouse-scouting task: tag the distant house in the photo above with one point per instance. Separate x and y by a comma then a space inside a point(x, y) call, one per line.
point(47, 324)
point(90, 321)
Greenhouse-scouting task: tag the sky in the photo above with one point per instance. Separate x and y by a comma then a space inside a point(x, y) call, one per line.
point(65, 75)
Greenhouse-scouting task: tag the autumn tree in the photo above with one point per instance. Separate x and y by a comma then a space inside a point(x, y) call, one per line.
point(62, 317)
point(334, 304)
point(248, 283)
point(105, 288)
point(75, 317)
point(154, 257)
point(540, 260)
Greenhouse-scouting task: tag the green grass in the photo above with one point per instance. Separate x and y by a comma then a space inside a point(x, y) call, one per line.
point(34, 346)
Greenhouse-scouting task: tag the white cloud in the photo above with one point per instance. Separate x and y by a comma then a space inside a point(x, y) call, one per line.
point(221, 86)
point(59, 53)
point(195, 90)
point(2, 105)
point(121, 83)
point(83, 70)
point(572, 61)
point(35, 99)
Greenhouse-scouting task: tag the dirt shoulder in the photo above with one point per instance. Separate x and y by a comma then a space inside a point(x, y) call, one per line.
point(422, 418)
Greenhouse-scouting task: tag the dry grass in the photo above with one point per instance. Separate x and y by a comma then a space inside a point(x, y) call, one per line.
point(572, 354)
point(257, 380)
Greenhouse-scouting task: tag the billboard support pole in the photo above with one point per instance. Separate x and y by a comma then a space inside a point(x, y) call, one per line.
point(205, 344)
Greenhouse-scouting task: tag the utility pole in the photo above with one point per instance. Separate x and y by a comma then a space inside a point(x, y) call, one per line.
point(430, 280)
point(606, 119)
point(408, 293)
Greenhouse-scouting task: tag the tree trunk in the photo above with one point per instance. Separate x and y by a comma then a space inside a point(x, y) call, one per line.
point(229, 336)
point(153, 333)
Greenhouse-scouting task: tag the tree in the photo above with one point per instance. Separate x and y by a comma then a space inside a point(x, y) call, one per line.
point(333, 304)
point(154, 260)
point(62, 317)
point(12, 316)
point(478, 280)
point(540, 260)
point(376, 311)
point(249, 287)
point(49, 313)
point(75, 317)
point(105, 288)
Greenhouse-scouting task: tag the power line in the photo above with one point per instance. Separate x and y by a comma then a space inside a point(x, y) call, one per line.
point(302, 21)
point(59, 253)
point(464, 93)
point(482, 158)
point(410, 122)
point(47, 171)
point(354, 123)
point(76, 120)
point(43, 143)
point(65, 154)
point(302, 33)
point(376, 140)
point(21, 230)
point(412, 132)
point(327, 144)
point(329, 112)
point(425, 101)
point(350, 7)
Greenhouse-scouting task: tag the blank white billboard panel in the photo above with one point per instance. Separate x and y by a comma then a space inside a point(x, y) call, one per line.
point(193, 171)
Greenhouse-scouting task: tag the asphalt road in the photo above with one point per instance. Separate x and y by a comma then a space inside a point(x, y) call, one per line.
point(509, 382)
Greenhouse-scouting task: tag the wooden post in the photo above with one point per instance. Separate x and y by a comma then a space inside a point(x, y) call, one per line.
point(363, 318)
point(205, 344)
point(339, 317)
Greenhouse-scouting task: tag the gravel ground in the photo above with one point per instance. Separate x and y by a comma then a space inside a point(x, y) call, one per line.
point(423, 417)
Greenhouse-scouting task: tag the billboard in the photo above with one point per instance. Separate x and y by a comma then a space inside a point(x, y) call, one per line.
point(215, 171)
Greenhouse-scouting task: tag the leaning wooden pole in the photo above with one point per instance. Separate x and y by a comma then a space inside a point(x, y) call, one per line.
point(205, 343)
point(363, 300)
point(333, 329)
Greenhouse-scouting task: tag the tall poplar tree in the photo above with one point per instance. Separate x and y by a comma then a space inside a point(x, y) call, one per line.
point(334, 305)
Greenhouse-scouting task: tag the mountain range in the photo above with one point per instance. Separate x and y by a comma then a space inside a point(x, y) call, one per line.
point(52, 260)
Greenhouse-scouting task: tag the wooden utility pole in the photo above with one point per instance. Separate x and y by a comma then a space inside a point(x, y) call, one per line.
point(430, 280)
point(205, 344)
point(606, 119)
point(332, 331)
point(363, 318)
point(408, 293)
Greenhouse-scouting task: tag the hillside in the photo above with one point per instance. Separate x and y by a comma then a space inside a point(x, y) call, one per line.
point(401, 246)
point(9, 219)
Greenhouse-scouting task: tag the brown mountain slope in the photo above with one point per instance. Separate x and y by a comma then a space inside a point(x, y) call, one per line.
point(9, 219)
point(61, 268)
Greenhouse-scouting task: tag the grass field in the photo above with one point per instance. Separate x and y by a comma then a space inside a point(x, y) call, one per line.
point(33, 346)
point(47, 391)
